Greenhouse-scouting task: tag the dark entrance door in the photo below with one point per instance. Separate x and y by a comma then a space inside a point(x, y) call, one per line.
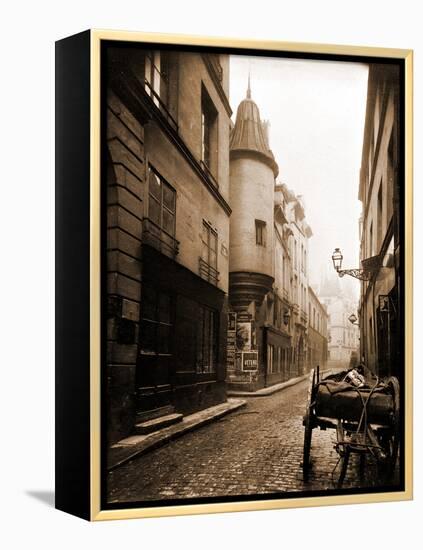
point(388, 344)
point(154, 365)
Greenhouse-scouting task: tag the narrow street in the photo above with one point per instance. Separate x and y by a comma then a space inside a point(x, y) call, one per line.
point(255, 450)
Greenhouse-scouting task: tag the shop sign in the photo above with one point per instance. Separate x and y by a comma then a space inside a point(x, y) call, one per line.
point(250, 361)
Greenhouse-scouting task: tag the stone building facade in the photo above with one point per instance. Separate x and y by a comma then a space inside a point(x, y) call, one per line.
point(280, 364)
point(298, 242)
point(268, 263)
point(317, 332)
point(343, 337)
point(380, 225)
point(166, 167)
point(251, 275)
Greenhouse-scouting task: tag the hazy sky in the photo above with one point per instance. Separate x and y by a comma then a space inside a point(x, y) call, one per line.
point(316, 112)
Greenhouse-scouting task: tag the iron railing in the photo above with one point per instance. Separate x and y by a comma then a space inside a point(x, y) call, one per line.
point(208, 272)
point(158, 238)
point(160, 104)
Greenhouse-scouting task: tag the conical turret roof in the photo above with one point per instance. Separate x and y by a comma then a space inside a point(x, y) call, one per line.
point(248, 134)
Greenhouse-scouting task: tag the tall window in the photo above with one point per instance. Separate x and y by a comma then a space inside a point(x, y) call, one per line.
point(379, 215)
point(260, 233)
point(209, 134)
point(156, 322)
point(156, 72)
point(207, 330)
point(208, 260)
point(296, 290)
point(270, 353)
point(161, 213)
point(277, 312)
point(390, 179)
point(371, 240)
point(370, 159)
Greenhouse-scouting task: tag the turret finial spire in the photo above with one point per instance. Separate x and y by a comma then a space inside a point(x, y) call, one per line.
point(249, 87)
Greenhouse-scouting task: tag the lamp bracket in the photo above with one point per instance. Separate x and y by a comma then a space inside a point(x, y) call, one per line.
point(362, 274)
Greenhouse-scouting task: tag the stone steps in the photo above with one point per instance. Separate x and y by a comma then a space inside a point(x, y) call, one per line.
point(143, 428)
point(154, 413)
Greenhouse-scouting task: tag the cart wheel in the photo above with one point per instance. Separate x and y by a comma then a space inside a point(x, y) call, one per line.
point(308, 427)
point(395, 438)
point(390, 440)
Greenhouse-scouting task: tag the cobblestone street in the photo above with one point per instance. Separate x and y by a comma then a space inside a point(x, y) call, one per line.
point(254, 451)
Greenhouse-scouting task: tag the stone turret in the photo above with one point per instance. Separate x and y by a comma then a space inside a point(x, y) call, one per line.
point(252, 177)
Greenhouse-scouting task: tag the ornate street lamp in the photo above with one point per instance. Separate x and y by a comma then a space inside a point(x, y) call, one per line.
point(337, 259)
point(362, 274)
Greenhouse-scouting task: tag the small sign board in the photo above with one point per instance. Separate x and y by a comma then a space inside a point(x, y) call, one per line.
point(231, 321)
point(249, 361)
point(130, 310)
point(244, 317)
point(230, 360)
point(231, 340)
point(238, 361)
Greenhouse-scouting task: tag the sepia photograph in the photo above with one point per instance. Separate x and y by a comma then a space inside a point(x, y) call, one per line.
point(253, 325)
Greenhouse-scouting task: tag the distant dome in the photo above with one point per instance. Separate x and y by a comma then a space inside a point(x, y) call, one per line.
point(248, 135)
point(330, 287)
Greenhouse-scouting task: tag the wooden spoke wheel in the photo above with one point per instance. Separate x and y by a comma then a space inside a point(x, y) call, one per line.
point(308, 423)
point(390, 439)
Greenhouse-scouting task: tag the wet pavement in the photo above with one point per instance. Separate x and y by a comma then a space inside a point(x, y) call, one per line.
point(256, 450)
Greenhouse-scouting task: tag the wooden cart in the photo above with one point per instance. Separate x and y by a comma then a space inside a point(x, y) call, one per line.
point(366, 420)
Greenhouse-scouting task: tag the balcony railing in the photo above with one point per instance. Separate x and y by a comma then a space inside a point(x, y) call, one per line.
point(208, 272)
point(160, 104)
point(158, 238)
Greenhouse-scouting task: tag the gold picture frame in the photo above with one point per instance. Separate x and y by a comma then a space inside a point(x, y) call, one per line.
point(88, 503)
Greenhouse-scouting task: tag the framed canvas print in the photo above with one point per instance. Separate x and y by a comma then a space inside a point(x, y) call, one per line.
point(234, 275)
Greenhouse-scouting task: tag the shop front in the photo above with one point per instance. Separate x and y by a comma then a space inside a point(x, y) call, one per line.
point(182, 339)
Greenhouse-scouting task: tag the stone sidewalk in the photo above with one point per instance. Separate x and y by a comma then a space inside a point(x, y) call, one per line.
point(270, 390)
point(131, 447)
